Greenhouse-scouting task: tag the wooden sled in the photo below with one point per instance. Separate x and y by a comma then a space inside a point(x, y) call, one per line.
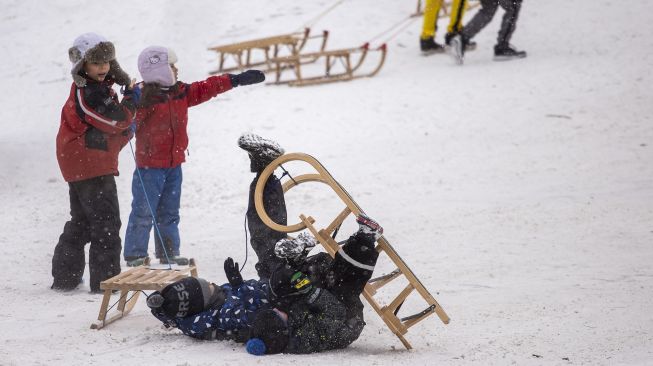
point(389, 313)
point(242, 53)
point(136, 280)
point(349, 61)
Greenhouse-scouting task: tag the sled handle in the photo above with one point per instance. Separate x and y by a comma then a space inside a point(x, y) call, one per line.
point(323, 176)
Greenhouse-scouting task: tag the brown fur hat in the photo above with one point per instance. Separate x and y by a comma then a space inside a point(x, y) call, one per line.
point(91, 47)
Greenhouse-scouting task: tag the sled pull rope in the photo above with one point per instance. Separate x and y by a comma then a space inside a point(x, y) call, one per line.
point(147, 199)
point(246, 251)
point(312, 22)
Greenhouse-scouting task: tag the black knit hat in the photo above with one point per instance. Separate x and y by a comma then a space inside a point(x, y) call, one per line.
point(186, 297)
point(271, 329)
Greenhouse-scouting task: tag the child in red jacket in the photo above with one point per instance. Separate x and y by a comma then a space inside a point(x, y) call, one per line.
point(161, 142)
point(94, 128)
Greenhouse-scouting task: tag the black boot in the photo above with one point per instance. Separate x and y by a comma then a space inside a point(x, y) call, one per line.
point(506, 52)
point(261, 151)
point(429, 46)
point(469, 44)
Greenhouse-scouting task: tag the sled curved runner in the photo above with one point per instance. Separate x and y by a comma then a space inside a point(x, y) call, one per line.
point(399, 326)
point(134, 281)
point(339, 65)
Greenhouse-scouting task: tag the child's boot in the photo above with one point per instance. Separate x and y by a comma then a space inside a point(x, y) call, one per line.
point(368, 226)
point(175, 259)
point(135, 261)
point(261, 151)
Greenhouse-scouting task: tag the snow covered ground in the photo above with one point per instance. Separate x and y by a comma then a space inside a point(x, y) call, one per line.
point(521, 193)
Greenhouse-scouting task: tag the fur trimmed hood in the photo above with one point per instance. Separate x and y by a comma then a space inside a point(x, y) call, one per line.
point(92, 47)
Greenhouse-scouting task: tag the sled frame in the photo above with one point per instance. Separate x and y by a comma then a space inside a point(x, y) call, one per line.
point(350, 59)
point(129, 285)
point(399, 326)
point(241, 53)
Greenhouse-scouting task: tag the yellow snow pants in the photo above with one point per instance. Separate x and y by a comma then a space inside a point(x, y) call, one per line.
point(431, 11)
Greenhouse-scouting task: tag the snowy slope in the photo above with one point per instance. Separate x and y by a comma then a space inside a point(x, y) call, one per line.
point(520, 193)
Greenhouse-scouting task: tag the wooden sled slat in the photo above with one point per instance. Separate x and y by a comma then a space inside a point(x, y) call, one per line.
point(242, 53)
point(131, 282)
point(388, 313)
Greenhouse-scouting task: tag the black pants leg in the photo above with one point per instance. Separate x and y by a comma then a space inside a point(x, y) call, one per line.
point(69, 259)
point(263, 238)
point(482, 18)
point(352, 267)
point(509, 21)
point(95, 217)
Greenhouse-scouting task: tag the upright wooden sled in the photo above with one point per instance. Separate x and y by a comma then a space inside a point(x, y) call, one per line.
point(137, 279)
point(399, 326)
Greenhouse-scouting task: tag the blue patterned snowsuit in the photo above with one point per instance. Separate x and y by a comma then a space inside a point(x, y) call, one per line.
point(231, 320)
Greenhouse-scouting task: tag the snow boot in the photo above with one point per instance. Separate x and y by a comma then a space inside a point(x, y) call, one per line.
point(135, 261)
point(469, 44)
point(457, 44)
point(182, 261)
point(506, 53)
point(368, 226)
point(261, 151)
point(429, 46)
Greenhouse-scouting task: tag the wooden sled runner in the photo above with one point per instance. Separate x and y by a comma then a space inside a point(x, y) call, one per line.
point(339, 65)
point(389, 313)
point(259, 52)
point(135, 280)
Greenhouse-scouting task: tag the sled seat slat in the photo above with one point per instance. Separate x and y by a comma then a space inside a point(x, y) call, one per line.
point(134, 281)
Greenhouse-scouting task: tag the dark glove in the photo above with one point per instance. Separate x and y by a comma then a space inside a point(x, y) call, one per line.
point(155, 302)
point(233, 274)
point(246, 78)
point(134, 92)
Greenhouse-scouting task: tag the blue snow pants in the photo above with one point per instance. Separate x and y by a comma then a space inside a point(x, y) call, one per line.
point(163, 187)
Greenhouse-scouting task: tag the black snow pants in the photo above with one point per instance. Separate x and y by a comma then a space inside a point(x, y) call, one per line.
point(95, 218)
point(485, 15)
point(263, 238)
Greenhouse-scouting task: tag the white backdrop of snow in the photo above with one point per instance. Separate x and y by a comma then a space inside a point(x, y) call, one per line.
point(521, 193)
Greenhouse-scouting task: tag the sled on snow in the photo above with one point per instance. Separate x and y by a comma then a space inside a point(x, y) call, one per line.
point(388, 310)
point(339, 65)
point(259, 52)
point(134, 281)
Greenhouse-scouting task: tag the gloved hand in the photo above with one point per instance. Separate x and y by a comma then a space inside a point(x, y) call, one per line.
point(233, 274)
point(155, 303)
point(155, 300)
point(246, 78)
point(134, 90)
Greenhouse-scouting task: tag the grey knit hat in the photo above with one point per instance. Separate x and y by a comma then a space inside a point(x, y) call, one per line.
point(92, 47)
